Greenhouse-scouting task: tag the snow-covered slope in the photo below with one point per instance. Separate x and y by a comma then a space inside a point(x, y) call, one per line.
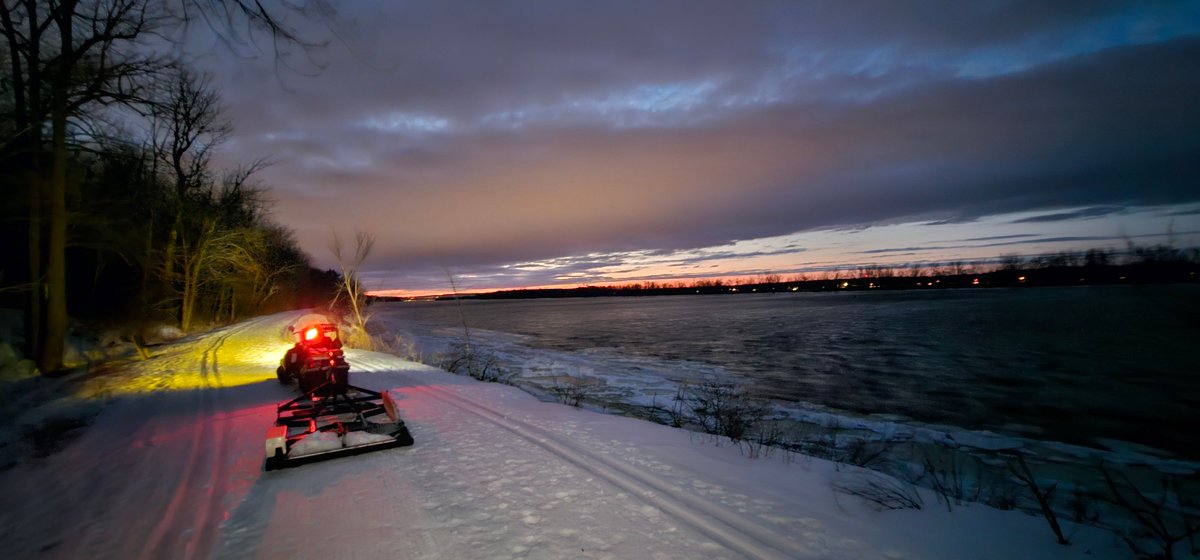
point(173, 469)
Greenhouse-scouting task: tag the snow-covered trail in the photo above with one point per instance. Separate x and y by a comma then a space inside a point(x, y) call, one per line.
point(173, 469)
point(152, 477)
point(546, 473)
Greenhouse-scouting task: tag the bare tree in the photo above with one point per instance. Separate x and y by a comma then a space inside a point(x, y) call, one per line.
point(350, 266)
point(270, 272)
point(214, 249)
point(67, 58)
point(231, 258)
point(186, 125)
point(80, 54)
point(22, 32)
point(243, 26)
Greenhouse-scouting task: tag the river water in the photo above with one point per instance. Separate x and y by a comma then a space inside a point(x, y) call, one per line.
point(1082, 365)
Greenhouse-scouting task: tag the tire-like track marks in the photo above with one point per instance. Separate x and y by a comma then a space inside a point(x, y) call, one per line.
point(203, 481)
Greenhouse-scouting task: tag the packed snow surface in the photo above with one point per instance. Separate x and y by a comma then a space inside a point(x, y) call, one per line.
point(173, 468)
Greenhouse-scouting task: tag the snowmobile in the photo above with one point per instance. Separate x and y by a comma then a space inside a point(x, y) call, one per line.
point(316, 359)
point(331, 418)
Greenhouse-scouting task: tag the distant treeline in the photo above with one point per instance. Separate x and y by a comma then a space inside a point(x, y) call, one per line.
point(112, 205)
point(1138, 265)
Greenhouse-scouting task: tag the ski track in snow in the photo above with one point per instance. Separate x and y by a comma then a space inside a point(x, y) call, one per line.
point(174, 470)
point(205, 468)
point(148, 479)
point(731, 531)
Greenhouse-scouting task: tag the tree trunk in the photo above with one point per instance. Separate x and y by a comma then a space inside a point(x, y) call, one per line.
point(187, 302)
point(37, 301)
point(55, 331)
point(147, 259)
point(222, 296)
point(168, 266)
point(28, 117)
point(170, 285)
point(56, 247)
point(193, 266)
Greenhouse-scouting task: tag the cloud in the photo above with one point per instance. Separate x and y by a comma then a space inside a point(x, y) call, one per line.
point(476, 136)
point(995, 237)
point(1082, 213)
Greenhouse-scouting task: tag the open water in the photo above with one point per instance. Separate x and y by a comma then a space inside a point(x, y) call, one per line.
point(1082, 365)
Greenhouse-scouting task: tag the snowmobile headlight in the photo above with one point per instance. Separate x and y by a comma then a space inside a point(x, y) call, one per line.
point(311, 333)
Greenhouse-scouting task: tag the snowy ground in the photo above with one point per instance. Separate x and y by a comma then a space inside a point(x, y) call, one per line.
point(172, 468)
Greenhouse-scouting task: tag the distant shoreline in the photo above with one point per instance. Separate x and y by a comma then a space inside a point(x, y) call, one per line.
point(1157, 272)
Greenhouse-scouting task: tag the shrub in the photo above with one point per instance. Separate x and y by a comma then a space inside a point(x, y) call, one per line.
point(572, 390)
point(1167, 512)
point(718, 408)
point(1020, 469)
point(946, 471)
point(882, 492)
point(463, 359)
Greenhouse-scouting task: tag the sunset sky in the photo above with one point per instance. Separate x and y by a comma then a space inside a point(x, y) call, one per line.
point(536, 143)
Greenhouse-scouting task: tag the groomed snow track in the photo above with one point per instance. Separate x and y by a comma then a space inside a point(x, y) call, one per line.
point(733, 531)
point(206, 467)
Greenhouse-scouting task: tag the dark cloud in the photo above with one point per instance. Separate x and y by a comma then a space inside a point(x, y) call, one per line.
point(904, 250)
point(955, 220)
point(1082, 213)
point(996, 237)
point(1023, 239)
point(478, 135)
